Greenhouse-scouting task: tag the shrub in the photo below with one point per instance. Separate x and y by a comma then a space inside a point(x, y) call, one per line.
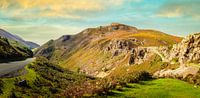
point(1, 86)
point(50, 80)
point(135, 77)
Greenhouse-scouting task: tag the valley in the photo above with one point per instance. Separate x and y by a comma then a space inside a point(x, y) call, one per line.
point(99, 49)
point(114, 60)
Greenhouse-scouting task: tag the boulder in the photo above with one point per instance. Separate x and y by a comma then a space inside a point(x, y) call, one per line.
point(23, 83)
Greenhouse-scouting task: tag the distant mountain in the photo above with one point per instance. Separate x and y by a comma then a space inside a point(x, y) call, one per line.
point(99, 51)
point(32, 44)
point(10, 36)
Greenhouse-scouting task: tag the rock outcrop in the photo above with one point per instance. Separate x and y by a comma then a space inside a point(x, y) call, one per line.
point(182, 72)
point(131, 47)
point(139, 55)
point(118, 46)
point(188, 51)
point(186, 54)
point(118, 26)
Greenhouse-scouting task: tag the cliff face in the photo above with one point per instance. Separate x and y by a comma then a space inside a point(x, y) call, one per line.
point(187, 55)
point(188, 51)
point(131, 47)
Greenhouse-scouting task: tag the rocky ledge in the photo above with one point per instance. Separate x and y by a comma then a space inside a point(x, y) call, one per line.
point(187, 55)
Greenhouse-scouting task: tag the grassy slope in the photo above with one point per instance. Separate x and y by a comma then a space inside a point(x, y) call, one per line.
point(92, 56)
point(95, 37)
point(8, 83)
point(150, 37)
point(160, 88)
point(43, 79)
point(127, 73)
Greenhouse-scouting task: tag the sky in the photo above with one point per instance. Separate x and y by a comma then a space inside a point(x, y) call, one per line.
point(42, 20)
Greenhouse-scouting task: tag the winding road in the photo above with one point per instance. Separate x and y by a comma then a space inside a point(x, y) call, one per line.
point(6, 68)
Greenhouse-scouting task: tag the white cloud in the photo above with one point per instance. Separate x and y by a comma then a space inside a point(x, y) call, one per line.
point(184, 8)
point(55, 8)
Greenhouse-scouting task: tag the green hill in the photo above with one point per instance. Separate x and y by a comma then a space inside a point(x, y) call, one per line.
point(42, 79)
point(12, 50)
point(111, 61)
point(98, 51)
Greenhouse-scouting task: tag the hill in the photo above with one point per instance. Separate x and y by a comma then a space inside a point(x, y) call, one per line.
point(115, 60)
point(10, 36)
point(43, 79)
point(13, 51)
point(98, 51)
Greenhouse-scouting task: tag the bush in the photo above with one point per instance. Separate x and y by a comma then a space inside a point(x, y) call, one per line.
point(50, 80)
point(135, 77)
point(1, 86)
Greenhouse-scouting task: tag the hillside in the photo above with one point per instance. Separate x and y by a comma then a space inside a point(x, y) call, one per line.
point(160, 88)
point(13, 51)
point(43, 79)
point(115, 61)
point(98, 51)
point(10, 36)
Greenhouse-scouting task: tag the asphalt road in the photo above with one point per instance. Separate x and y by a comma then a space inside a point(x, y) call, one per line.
point(10, 67)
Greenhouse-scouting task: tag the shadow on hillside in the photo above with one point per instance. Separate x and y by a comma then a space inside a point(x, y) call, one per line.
point(114, 94)
point(146, 83)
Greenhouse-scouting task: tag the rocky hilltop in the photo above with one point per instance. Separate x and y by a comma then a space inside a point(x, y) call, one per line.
point(101, 50)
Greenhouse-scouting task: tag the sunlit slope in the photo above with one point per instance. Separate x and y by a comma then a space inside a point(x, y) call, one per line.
point(161, 88)
point(97, 51)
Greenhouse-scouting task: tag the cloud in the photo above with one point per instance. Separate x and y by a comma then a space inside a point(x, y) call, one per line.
point(55, 8)
point(180, 8)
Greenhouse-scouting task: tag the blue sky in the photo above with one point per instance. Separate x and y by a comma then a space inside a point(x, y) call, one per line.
point(42, 20)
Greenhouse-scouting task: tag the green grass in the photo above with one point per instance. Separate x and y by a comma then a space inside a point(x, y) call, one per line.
point(160, 88)
point(9, 82)
point(16, 44)
point(43, 79)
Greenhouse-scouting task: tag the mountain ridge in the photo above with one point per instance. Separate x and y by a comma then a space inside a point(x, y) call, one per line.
point(10, 36)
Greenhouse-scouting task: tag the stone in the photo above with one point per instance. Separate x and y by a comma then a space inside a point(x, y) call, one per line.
point(23, 83)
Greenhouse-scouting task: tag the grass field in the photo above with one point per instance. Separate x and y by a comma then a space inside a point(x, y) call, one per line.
point(160, 88)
